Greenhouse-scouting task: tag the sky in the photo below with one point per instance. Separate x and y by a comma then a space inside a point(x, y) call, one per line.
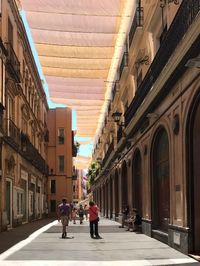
point(84, 150)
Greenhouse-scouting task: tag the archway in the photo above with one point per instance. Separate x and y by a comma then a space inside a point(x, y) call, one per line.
point(111, 197)
point(124, 185)
point(116, 187)
point(137, 181)
point(161, 181)
point(193, 159)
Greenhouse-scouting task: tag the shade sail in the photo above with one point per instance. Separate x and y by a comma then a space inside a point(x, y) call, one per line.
point(80, 45)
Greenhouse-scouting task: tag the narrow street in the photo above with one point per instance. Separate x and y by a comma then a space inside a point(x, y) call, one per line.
point(117, 247)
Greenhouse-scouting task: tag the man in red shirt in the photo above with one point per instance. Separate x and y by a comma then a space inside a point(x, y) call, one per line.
point(94, 219)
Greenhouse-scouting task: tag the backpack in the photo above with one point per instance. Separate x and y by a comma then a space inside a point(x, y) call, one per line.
point(64, 209)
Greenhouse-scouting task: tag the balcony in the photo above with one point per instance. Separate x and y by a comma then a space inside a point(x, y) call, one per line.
point(30, 153)
point(13, 63)
point(184, 18)
point(123, 64)
point(12, 134)
point(137, 22)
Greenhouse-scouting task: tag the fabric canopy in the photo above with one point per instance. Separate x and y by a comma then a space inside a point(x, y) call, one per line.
point(80, 45)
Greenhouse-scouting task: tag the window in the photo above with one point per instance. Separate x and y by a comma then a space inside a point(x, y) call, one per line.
point(10, 108)
point(61, 163)
point(24, 125)
point(139, 78)
point(53, 186)
point(10, 32)
point(61, 135)
point(163, 34)
point(52, 206)
point(20, 203)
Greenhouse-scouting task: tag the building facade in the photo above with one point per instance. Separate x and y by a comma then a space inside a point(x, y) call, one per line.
point(59, 157)
point(149, 157)
point(23, 145)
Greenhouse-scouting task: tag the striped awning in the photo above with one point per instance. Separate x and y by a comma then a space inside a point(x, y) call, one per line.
point(80, 44)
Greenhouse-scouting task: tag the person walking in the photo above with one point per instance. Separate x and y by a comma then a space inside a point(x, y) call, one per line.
point(64, 215)
point(81, 213)
point(74, 212)
point(94, 219)
point(86, 211)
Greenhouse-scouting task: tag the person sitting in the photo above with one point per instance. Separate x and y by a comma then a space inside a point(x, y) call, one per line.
point(134, 221)
point(125, 212)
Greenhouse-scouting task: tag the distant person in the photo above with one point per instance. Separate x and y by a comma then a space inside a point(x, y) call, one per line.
point(125, 213)
point(64, 214)
point(74, 213)
point(94, 219)
point(81, 213)
point(86, 211)
point(134, 221)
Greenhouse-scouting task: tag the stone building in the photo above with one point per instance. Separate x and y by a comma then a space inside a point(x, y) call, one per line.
point(24, 135)
point(149, 157)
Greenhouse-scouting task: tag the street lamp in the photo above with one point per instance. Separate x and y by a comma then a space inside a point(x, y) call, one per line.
point(116, 116)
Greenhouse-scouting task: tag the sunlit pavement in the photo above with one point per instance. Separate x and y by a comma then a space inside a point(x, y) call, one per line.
point(117, 247)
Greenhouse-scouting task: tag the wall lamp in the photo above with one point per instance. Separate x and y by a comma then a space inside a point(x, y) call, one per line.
point(116, 116)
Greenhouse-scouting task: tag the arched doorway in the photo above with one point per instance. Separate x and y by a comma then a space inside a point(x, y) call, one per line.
point(161, 181)
point(193, 139)
point(116, 186)
point(137, 181)
point(111, 197)
point(124, 185)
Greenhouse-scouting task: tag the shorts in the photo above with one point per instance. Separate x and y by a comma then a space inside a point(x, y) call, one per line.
point(64, 220)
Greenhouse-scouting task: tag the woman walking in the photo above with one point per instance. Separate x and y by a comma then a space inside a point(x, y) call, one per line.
point(94, 219)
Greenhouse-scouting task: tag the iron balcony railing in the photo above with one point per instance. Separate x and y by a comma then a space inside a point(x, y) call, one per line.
point(138, 21)
point(32, 154)
point(119, 133)
point(13, 62)
point(185, 16)
point(12, 133)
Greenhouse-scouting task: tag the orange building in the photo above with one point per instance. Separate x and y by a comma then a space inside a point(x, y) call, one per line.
point(59, 157)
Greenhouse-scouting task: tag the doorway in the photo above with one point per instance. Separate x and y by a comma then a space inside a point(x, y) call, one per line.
point(161, 182)
point(9, 202)
point(193, 138)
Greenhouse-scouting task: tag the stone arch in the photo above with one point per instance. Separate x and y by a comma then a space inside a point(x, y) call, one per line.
point(160, 181)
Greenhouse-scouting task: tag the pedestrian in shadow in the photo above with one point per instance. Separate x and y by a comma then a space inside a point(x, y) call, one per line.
point(125, 213)
point(134, 220)
point(94, 219)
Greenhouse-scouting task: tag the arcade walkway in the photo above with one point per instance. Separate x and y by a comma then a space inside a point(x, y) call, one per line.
point(118, 248)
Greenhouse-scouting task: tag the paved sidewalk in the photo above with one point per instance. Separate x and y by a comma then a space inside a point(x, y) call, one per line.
point(17, 234)
point(118, 247)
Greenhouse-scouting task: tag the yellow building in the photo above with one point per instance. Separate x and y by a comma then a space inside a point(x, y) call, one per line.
point(24, 133)
point(149, 156)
